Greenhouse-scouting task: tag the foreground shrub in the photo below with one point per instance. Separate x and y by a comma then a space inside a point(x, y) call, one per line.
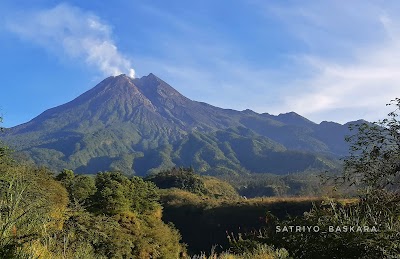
point(258, 252)
point(329, 234)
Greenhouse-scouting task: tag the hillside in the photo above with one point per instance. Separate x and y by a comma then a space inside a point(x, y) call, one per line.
point(143, 125)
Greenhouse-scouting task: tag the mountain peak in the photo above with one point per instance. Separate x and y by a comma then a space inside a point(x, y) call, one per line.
point(151, 75)
point(294, 119)
point(113, 81)
point(121, 76)
point(150, 79)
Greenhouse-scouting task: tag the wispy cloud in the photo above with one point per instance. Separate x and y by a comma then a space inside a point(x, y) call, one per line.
point(347, 71)
point(357, 72)
point(68, 30)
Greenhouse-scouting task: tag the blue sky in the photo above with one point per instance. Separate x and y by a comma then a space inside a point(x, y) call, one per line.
point(326, 60)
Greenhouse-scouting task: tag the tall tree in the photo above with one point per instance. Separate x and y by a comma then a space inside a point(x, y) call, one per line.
point(374, 160)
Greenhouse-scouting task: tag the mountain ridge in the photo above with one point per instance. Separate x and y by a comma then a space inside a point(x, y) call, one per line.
point(122, 121)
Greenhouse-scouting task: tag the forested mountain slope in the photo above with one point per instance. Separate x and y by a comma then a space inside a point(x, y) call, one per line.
point(142, 125)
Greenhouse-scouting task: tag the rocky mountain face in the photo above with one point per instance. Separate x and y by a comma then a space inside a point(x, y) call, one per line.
point(143, 125)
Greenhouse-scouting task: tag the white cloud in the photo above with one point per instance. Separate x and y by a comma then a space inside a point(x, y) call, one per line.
point(67, 30)
point(347, 70)
point(352, 89)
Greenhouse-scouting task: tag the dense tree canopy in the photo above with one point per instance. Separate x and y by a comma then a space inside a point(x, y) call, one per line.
point(182, 178)
point(116, 193)
point(80, 187)
point(32, 205)
point(78, 216)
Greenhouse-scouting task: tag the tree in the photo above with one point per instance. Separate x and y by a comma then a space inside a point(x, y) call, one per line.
point(5, 158)
point(116, 194)
point(1, 121)
point(112, 195)
point(66, 177)
point(182, 178)
point(144, 196)
point(80, 188)
point(374, 160)
point(32, 206)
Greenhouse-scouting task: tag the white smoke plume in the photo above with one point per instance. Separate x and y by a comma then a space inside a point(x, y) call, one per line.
point(68, 30)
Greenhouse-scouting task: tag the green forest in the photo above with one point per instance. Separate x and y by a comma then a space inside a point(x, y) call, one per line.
point(177, 213)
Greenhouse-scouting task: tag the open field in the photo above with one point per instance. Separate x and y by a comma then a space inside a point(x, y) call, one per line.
point(205, 222)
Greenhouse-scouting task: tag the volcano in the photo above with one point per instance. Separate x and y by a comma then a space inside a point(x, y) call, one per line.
point(143, 125)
